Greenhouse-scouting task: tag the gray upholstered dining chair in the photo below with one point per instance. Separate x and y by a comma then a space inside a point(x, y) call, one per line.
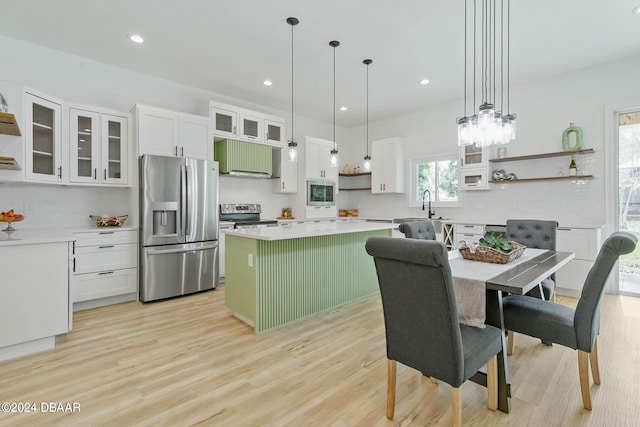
point(421, 320)
point(536, 234)
point(579, 328)
point(418, 230)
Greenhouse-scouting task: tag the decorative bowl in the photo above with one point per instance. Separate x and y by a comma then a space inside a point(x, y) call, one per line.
point(108, 221)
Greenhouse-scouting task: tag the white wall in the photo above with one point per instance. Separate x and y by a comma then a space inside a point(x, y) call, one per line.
point(76, 79)
point(544, 110)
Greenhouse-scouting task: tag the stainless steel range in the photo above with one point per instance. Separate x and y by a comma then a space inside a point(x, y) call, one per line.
point(244, 215)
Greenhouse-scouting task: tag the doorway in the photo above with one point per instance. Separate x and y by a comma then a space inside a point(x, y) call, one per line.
point(628, 142)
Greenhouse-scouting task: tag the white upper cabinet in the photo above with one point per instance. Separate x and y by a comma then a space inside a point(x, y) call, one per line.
point(98, 147)
point(194, 137)
point(43, 139)
point(172, 133)
point(285, 171)
point(225, 122)
point(250, 127)
point(231, 122)
point(318, 159)
point(274, 133)
point(387, 166)
point(473, 157)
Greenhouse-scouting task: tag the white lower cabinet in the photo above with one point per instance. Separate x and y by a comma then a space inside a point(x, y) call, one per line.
point(585, 243)
point(468, 232)
point(105, 265)
point(34, 300)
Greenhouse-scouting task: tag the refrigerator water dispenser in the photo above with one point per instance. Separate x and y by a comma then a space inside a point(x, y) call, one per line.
point(165, 219)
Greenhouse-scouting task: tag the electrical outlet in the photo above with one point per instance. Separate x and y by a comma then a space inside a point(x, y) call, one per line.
point(250, 260)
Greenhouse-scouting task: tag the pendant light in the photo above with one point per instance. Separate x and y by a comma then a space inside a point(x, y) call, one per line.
point(367, 159)
point(292, 146)
point(488, 126)
point(334, 153)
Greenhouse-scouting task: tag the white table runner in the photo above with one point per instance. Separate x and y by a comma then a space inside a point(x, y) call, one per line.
point(469, 283)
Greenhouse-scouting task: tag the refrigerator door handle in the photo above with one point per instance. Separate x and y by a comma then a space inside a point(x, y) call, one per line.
point(181, 250)
point(183, 200)
point(187, 200)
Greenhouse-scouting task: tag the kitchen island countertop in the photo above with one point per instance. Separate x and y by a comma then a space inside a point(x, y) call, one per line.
point(323, 228)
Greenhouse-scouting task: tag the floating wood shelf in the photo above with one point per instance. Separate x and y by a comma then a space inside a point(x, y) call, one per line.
point(355, 174)
point(543, 155)
point(9, 163)
point(549, 178)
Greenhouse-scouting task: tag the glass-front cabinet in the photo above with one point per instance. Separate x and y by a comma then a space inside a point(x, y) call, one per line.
point(224, 122)
point(250, 127)
point(98, 147)
point(274, 133)
point(472, 157)
point(43, 138)
point(115, 149)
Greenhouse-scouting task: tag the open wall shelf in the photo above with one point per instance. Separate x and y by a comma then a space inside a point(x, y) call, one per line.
point(543, 155)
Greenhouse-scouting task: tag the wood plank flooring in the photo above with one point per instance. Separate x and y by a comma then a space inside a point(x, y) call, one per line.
point(187, 361)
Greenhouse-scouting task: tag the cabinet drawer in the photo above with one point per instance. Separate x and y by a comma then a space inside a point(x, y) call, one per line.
point(91, 286)
point(585, 243)
point(469, 229)
point(573, 275)
point(105, 237)
point(93, 259)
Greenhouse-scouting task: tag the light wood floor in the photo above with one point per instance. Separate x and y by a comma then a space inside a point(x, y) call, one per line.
point(187, 361)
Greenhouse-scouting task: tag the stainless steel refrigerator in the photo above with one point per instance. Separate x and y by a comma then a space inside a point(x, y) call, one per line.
point(178, 226)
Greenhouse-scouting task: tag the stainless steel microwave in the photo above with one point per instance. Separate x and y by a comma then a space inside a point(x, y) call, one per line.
point(321, 193)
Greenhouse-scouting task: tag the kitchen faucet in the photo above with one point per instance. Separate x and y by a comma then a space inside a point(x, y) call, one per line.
point(430, 213)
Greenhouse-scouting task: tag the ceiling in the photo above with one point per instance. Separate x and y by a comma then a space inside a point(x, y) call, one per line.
point(231, 46)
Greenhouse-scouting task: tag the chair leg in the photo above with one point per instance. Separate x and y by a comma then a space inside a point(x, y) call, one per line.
point(456, 407)
point(391, 388)
point(593, 359)
point(492, 383)
point(583, 371)
point(511, 336)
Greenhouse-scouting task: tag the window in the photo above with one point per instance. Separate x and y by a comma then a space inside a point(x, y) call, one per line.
point(439, 175)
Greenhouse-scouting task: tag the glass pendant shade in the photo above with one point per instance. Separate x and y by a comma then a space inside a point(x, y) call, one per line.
point(293, 151)
point(488, 27)
point(367, 164)
point(334, 158)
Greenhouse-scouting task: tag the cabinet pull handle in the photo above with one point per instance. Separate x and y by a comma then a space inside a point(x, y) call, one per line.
point(95, 173)
point(182, 151)
point(105, 174)
point(283, 185)
point(106, 247)
point(234, 130)
point(59, 171)
point(107, 232)
point(74, 265)
point(175, 150)
point(105, 272)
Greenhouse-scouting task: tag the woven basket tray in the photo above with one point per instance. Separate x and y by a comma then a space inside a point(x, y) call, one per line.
point(486, 254)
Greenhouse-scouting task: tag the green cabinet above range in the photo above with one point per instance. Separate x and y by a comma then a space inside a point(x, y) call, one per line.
point(242, 158)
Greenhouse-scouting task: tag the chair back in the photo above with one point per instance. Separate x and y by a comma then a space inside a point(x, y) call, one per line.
point(418, 301)
point(533, 233)
point(418, 230)
point(587, 315)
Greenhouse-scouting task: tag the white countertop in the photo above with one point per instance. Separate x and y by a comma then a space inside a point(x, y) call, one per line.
point(295, 231)
point(32, 236)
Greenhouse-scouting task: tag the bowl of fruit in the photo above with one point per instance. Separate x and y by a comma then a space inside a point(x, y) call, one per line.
point(9, 217)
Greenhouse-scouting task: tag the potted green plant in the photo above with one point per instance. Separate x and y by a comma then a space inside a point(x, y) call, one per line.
point(495, 240)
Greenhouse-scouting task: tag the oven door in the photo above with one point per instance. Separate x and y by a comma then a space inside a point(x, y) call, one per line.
point(321, 193)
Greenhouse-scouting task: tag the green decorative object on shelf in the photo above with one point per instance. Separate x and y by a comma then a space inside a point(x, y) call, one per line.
point(566, 138)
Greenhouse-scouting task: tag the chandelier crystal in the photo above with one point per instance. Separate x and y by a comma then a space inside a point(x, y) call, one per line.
point(489, 40)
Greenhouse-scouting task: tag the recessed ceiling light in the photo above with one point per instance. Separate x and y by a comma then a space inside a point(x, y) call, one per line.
point(343, 108)
point(636, 10)
point(424, 81)
point(267, 82)
point(136, 38)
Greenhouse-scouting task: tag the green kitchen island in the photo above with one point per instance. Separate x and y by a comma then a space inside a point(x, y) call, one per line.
point(277, 275)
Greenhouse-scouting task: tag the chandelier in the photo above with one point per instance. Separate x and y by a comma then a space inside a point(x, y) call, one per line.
point(489, 40)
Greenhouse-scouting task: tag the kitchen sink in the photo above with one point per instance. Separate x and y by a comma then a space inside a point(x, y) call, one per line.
point(437, 223)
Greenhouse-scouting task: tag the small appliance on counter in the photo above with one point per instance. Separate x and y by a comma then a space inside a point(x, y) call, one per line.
point(244, 215)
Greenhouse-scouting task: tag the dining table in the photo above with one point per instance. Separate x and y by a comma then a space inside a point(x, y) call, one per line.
point(480, 287)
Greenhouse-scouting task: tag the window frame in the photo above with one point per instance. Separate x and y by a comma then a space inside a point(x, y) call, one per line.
point(414, 179)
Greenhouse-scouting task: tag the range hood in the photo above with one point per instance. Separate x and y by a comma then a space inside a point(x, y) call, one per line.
point(8, 123)
point(243, 159)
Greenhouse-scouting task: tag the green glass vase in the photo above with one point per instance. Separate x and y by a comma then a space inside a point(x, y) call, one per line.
point(572, 138)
